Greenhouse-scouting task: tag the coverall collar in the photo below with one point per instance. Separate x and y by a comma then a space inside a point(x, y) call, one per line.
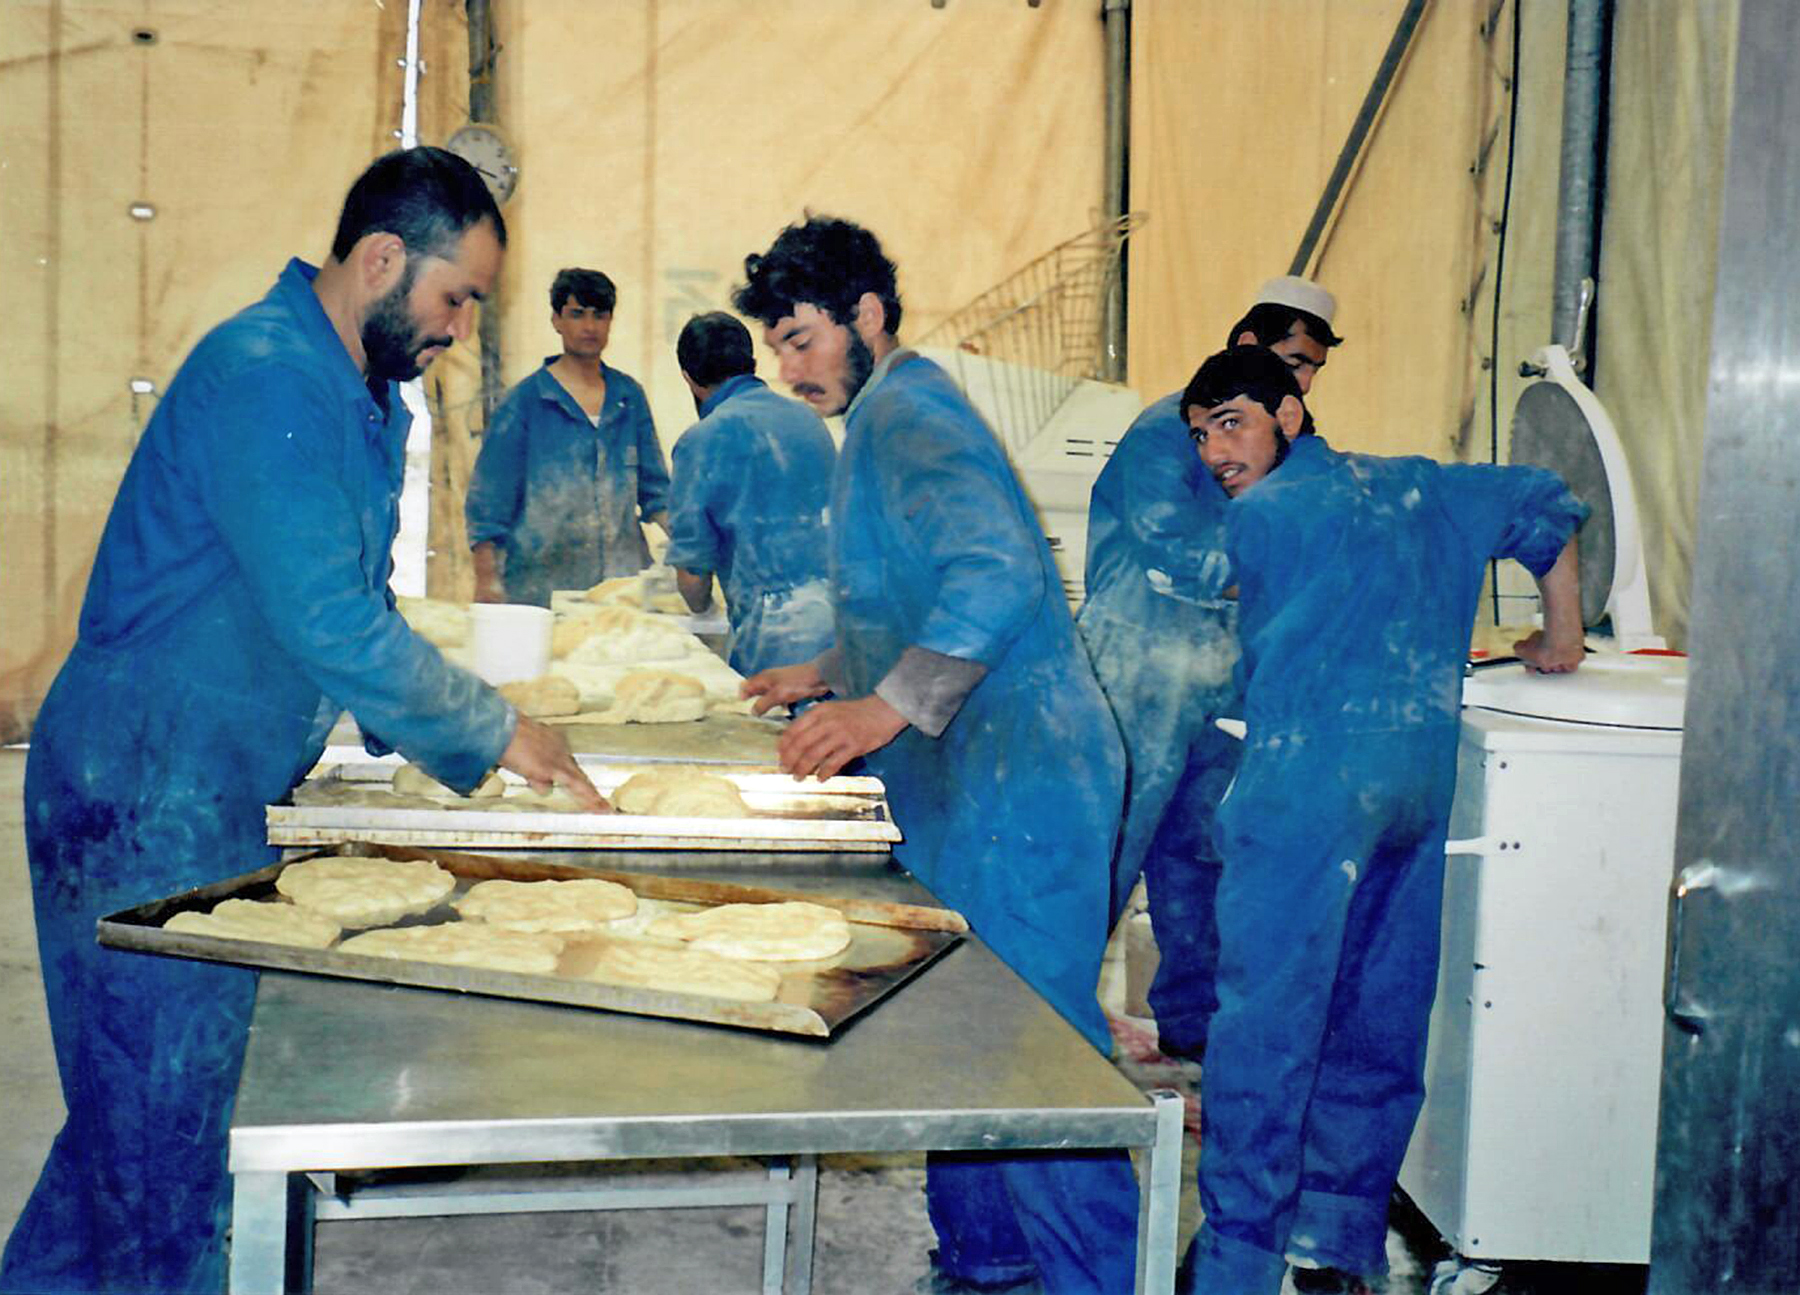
point(553, 392)
point(295, 290)
point(727, 389)
point(880, 371)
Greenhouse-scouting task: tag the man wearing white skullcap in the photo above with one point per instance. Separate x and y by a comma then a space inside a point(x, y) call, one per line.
point(1162, 638)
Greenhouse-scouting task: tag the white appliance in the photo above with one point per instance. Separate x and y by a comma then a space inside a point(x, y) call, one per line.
point(1537, 1140)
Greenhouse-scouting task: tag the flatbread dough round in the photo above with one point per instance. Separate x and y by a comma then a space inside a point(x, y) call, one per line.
point(365, 892)
point(624, 636)
point(647, 964)
point(795, 931)
point(544, 696)
point(265, 921)
point(617, 589)
point(582, 904)
point(443, 624)
point(411, 780)
point(680, 793)
point(657, 697)
point(462, 944)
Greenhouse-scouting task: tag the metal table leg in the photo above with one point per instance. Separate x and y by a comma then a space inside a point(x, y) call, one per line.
point(806, 1209)
point(271, 1234)
point(1159, 1207)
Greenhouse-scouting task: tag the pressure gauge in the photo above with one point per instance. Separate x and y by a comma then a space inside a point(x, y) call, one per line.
point(483, 147)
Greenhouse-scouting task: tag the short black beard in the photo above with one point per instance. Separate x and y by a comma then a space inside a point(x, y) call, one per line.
point(390, 338)
point(859, 363)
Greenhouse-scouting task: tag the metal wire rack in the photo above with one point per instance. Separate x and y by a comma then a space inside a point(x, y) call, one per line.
point(1039, 332)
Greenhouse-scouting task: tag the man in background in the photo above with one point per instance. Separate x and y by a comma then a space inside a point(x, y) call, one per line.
point(1162, 637)
point(239, 600)
point(568, 466)
point(748, 502)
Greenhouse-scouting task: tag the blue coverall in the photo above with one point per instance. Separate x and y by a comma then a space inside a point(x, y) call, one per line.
point(752, 481)
point(560, 496)
point(238, 599)
point(1163, 640)
point(1009, 814)
point(1358, 578)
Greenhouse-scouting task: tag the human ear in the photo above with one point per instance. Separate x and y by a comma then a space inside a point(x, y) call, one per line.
point(380, 260)
point(871, 318)
point(1290, 416)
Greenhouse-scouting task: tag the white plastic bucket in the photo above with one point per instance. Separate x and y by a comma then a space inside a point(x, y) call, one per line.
point(509, 642)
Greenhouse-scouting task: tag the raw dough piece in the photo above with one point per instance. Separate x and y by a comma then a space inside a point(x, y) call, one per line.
point(621, 636)
point(584, 904)
point(440, 623)
point(411, 780)
point(651, 965)
point(657, 697)
point(680, 793)
point(365, 892)
point(787, 932)
point(570, 633)
point(618, 589)
point(462, 944)
point(546, 695)
point(266, 921)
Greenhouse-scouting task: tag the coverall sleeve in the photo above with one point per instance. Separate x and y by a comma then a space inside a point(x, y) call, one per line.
point(1175, 515)
point(270, 481)
point(695, 542)
point(497, 481)
point(1513, 511)
point(653, 471)
point(940, 486)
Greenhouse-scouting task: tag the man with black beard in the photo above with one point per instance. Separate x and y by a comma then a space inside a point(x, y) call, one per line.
point(239, 600)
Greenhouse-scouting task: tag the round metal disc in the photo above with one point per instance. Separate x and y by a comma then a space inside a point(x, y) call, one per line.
point(1550, 431)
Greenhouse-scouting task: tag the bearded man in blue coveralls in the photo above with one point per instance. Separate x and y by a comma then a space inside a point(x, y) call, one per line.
point(239, 598)
point(568, 464)
point(748, 502)
point(959, 681)
point(1358, 581)
point(1162, 637)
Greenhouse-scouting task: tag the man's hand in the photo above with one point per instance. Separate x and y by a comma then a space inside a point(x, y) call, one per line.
point(1549, 656)
point(833, 733)
point(783, 685)
point(538, 754)
point(1557, 648)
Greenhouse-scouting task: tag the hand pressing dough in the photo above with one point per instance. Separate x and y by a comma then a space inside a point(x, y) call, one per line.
point(584, 904)
point(462, 944)
point(787, 932)
point(365, 892)
point(680, 793)
point(657, 697)
point(411, 780)
point(265, 921)
point(647, 964)
point(547, 695)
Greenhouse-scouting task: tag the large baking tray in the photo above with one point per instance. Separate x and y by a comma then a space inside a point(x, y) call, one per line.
point(347, 802)
point(890, 944)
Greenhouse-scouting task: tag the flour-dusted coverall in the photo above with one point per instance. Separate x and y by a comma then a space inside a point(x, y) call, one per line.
point(1359, 579)
point(1163, 641)
point(239, 599)
point(562, 497)
point(752, 482)
point(1010, 807)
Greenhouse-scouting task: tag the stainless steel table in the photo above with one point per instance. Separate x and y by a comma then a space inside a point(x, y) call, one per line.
point(343, 1076)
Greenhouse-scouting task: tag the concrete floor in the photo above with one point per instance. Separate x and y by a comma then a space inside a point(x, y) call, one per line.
point(873, 1234)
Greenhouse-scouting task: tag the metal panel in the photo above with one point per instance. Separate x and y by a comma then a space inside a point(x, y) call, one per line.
point(1728, 1148)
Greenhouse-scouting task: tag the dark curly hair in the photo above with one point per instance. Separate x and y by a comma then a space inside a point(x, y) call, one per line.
point(1253, 371)
point(824, 262)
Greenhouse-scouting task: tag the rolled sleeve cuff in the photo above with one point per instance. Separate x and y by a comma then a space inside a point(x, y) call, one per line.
point(928, 688)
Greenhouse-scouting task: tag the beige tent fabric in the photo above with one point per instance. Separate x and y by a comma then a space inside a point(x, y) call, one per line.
point(239, 125)
point(661, 142)
point(1671, 108)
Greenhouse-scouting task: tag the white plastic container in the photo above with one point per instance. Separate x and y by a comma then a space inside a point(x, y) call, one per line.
point(509, 642)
